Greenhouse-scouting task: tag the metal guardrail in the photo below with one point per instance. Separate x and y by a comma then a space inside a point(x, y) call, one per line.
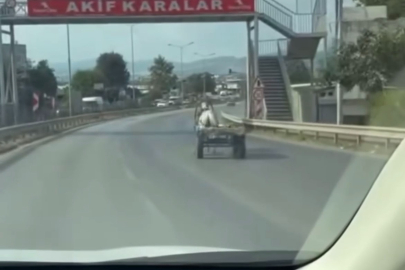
point(286, 78)
point(12, 136)
point(357, 134)
point(273, 47)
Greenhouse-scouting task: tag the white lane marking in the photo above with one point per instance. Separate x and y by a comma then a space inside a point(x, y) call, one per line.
point(148, 202)
point(152, 210)
point(267, 212)
point(129, 173)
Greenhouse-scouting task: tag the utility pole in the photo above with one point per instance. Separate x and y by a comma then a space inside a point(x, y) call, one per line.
point(2, 81)
point(70, 69)
point(14, 74)
point(256, 47)
point(204, 87)
point(133, 65)
point(205, 57)
point(181, 47)
point(339, 94)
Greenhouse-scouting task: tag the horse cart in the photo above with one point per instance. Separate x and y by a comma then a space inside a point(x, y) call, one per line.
point(218, 136)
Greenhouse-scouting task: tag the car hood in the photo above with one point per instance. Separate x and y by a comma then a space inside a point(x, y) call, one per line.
point(96, 256)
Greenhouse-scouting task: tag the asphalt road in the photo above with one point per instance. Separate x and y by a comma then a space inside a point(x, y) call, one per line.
point(137, 182)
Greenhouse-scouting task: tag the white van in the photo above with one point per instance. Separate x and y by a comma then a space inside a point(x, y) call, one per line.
point(92, 103)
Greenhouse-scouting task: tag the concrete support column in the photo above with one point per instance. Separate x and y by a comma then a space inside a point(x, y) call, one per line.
point(339, 104)
point(256, 47)
point(248, 69)
point(2, 81)
point(14, 86)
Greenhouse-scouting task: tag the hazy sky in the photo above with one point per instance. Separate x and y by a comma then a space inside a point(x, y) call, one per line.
point(88, 41)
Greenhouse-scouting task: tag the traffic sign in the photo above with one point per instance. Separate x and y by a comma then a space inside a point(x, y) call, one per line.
point(257, 102)
point(258, 83)
point(35, 102)
point(258, 95)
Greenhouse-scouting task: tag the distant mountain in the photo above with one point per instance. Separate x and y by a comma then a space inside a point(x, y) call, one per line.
point(216, 65)
point(298, 70)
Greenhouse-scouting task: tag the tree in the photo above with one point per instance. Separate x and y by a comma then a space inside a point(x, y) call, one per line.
point(328, 73)
point(297, 71)
point(372, 60)
point(395, 8)
point(113, 69)
point(42, 78)
point(24, 84)
point(195, 83)
point(162, 77)
point(84, 80)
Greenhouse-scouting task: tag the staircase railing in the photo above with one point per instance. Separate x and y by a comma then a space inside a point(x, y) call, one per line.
point(278, 4)
point(276, 13)
point(270, 47)
point(286, 79)
point(297, 22)
point(317, 14)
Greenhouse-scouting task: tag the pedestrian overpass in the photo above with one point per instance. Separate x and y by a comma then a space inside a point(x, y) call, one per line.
point(265, 58)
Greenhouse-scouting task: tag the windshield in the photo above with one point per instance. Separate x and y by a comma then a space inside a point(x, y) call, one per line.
point(107, 152)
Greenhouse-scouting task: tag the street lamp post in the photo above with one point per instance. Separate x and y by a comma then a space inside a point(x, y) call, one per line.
point(181, 47)
point(204, 56)
point(133, 65)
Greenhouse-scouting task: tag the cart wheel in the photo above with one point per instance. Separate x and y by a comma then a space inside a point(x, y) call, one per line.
point(239, 148)
point(200, 148)
point(242, 150)
point(235, 151)
point(235, 147)
point(243, 146)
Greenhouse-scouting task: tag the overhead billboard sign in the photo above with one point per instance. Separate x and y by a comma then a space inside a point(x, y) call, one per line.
point(69, 8)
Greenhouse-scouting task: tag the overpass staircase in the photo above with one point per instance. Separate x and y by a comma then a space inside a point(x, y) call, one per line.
point(303, 33)
point(275, 92)
point(302, 30)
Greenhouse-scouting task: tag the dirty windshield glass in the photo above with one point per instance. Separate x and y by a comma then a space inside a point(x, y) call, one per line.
point(242, 130)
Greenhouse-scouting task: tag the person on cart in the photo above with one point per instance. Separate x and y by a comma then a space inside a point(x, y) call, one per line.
point(206, 119)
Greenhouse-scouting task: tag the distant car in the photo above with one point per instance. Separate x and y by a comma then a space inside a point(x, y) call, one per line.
point(230, 103)
point(162, 104)
point(156, 101)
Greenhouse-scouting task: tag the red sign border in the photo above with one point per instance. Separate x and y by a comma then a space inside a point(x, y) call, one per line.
point(91, 8)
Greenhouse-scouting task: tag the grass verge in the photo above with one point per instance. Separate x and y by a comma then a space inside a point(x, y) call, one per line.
point(387, 108)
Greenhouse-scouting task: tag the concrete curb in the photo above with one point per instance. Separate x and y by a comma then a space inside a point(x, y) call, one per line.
point(318, 146)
